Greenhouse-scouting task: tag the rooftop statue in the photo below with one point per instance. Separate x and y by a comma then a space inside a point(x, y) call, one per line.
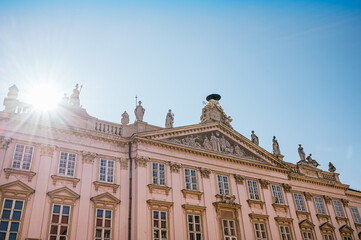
point(139, 112)
point(331, 168)
point(254, 138)
point(169, 120)
point(312, 161)
point(10, 102)
point(213, 111)
point(125, 118)
point(301, 153)
point(74, 97)
point(276, 147)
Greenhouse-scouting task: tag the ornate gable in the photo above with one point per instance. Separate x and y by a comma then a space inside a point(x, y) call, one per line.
point(63, 195)
point(16, 189)
point(306, 225)
point(327, 228)
point(105, 199)
point(346, 230)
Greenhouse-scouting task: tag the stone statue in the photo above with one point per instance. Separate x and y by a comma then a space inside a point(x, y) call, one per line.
point(139, 112)
point(254, 138)
point(312, 161)
point(238, 151)
point(276, 147)
point(215, 143)
point(169, 120)
point(207, 144)
point(125, 118)
point(331, 168)
point(301, 153)
point(74, 97)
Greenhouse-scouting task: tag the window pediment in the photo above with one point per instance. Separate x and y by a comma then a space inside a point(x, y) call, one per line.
point(346, 230)
point(63, 195)
point(306, 225)
point(327, 228)
point(16, 188)
point(105, 199)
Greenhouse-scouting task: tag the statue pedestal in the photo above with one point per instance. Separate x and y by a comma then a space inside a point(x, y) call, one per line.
point(280, 157)
point(140, 126)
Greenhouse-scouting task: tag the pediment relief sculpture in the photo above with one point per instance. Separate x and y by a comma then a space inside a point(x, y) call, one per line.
point(215, 142)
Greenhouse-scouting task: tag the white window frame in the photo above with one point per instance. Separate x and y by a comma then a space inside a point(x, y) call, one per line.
point(10, 220)
point(307, 235)
point(327, 236)
point(192, 226)
point(21, 166)
point(229, 232)
point(355, 215)
point(277, 194)
point(70, 165)
point(287, 235)
point(338, 208)
point(320, 206)
point(59, 224)
point(223, 184)
point(260, 234)
point(158, 173)
point(103, 228)
point(160, 229)
point(108, 170)
point(253, 190)
point(300, 203)
point(191, 181)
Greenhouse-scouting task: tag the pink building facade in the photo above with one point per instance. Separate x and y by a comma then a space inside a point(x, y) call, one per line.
point(67, 175)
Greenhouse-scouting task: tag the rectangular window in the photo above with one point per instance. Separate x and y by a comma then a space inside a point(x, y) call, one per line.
point(103, 227)
point(355, 214)
point(253, 189)
point(347, 238)
point(67, 164)
point(22, 157)
point(327, 237)
point(307, 236)
point(277, 194)
point(229, 229)
point(158, 172)
point(223, 184)
point(194, 227)
point(260, 231)
point(106, 170)
point(319, 205)
point(11, 218)
point(338, 208)
point(300, 204)
point(160, 225)
point(285, 233)
point(59, 227)
point(190, 178)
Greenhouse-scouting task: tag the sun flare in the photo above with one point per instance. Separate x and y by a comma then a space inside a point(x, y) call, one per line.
point(44, 97)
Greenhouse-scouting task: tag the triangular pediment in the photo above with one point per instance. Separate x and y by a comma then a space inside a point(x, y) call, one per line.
point(345, 229)
point(327, 227)
point(16, 187)
point(215, 138)
point(105, 198)
point(63, 193)
point(307, 224)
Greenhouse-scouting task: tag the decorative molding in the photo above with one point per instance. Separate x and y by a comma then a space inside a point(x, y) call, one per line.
point(159, 204)
point(239, 179)
point(327, 199)
point(308, 196)
point(264, 183)
point(105, 200)
point(12, 171)
point(16, 189)
point(123, 162)
point(4, 142)
point(174, 167)
point(226, 198)
point(345, 202)
point(47, 150)
point(63, 196)
point(302, 213)
point(258, 217)
point(88, 157)
point(141, 161)
point(223, 205)
point(193, 208)
point(327, 228)
point(191, 192)
point(323, 217)
point(342, 220)
point(113, 186)
point(278, 206)
point(255, 203)
point(284, 220)
point(72, 180)
point(161, 188)
point(205, 172)
point(346, 230)
point(306, 225)
point(287, 187)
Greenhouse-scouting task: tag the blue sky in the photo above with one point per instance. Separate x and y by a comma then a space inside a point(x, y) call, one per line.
point(285, 68)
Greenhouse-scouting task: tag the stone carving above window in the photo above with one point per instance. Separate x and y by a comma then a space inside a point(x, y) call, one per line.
point(215, 142)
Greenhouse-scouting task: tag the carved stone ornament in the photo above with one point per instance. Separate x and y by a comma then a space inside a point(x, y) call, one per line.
point(264, 183)
point(287, 187)
point(345, 202)
point(213, 112)
point(123, 163)
point(141, 161)
point(47, 150)
point(174, 167)
point(205, 172)
point(215, 142)
point(227, 198)
point(88, 157)
point(327, 199)
point(4, 142)
point(308, 195)
point(239, 179)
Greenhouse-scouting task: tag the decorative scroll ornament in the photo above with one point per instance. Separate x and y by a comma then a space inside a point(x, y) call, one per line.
point(228, 198)
point(345, 202)
point(174, 167)
point(287, 187)
point(264, 183)
point(88, 157)
point(123, 163)
point(47, 150)
point(308, 195)
point(205, 172)
point(327, 199)
point(141, 161)
point(239, 179)
point(213, 112)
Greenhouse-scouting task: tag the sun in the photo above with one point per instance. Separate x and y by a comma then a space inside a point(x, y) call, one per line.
point(44, 96)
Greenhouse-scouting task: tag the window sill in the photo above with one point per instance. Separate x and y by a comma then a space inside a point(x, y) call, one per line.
point(192, 192)
point(14, 171)
point(302, 213)
point(358, 224)
point(113, 186)
point(158, 189)
point(57, 178)
point(341, 220)
point(255, 203)
point(278, 206)
point(322, 216)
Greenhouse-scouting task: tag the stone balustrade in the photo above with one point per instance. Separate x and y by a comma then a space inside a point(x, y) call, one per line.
point(109, 128)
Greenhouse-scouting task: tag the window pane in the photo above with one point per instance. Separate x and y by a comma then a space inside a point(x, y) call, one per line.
point(4, 226)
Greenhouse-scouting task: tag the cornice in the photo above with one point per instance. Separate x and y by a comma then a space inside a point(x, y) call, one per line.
point(302, 178)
